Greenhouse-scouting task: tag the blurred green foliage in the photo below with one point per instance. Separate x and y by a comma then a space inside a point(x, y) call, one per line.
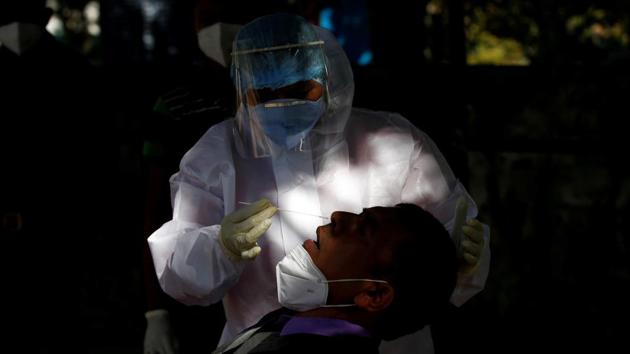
point(510, 32)
point(77, 24)
point(500, 32)
point(600, 28)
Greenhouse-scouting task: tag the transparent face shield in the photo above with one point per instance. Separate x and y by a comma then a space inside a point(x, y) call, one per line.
point(282, 89)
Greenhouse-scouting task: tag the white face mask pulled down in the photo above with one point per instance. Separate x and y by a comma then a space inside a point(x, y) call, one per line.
point(216, 41)
point(301, 285)
point(19, 37)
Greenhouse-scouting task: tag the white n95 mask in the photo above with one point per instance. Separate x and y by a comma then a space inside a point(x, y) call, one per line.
point(301, 285)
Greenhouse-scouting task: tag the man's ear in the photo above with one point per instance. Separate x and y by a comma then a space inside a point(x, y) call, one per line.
point(375, 297)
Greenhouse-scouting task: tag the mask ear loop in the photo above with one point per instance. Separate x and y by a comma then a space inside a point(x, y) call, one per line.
point(354, 280)
point(347, 281)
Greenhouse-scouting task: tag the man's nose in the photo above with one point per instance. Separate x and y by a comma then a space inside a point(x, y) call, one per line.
point(337, 216)
point(342, 220)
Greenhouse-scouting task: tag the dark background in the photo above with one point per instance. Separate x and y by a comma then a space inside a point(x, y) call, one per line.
point(527, 99)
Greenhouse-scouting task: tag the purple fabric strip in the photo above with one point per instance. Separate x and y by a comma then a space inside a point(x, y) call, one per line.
point(323, 326)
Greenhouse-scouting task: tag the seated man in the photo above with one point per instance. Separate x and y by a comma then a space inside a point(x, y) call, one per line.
point(382, 274)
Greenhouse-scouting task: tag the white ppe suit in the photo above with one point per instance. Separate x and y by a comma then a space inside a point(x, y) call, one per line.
point(352, 159)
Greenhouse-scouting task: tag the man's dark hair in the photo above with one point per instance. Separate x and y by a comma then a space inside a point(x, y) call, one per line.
point(423, 273)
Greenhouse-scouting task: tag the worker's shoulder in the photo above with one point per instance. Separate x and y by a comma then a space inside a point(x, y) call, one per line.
point(216, 141)
point(218, 134)
point(379, 119)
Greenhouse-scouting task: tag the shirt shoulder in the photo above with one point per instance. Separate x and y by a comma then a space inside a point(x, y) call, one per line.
point(311, 344)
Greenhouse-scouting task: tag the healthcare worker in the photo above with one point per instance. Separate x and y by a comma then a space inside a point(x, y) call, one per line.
point(256, 186)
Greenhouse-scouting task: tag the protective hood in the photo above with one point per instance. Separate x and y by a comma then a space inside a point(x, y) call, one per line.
point(333, 71)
